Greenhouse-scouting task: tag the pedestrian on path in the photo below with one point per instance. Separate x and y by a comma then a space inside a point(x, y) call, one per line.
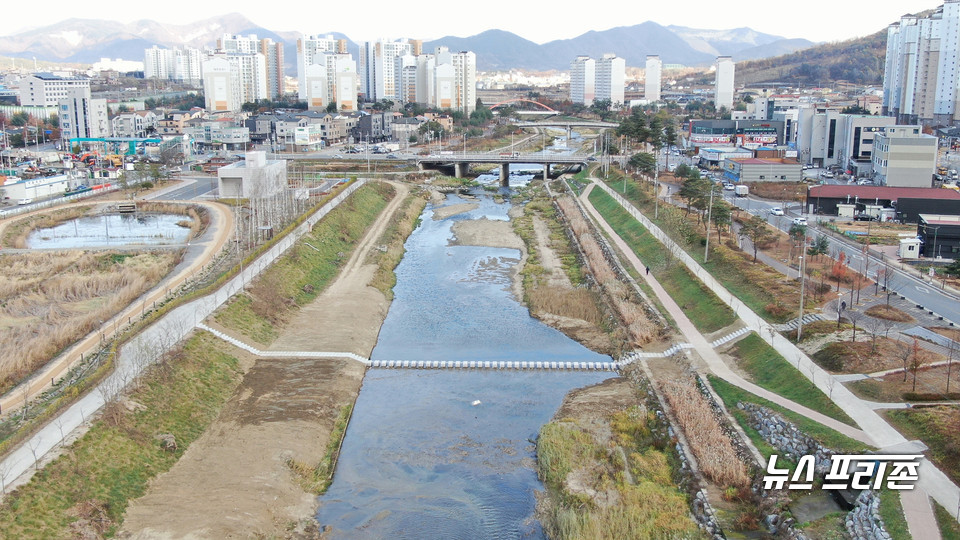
point(648, 270)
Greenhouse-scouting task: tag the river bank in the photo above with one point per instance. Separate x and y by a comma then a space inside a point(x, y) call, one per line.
point(238, 479)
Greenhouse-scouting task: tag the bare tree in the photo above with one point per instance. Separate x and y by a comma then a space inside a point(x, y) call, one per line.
point(950, 348)
point(887, 325)
point(33, 444)
point(831, 382)
point(4, 471)
point(873, 326)
point(903, 354)
point(855, 317)
point(916, 362)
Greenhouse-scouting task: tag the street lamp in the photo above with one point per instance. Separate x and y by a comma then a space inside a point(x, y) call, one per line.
point(803, 281)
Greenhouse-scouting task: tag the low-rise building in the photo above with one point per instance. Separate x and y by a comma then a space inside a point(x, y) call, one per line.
point(908, 203)
point(939, 235)
point(255, 177)
point(218, 135)
point(904, 157)
point(762, 170)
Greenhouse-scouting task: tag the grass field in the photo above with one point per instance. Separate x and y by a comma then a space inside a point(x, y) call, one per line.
point(949, 528)
point(769, 370)
point(764, 290)
point(831, 439)
point(297, 277)
point(87, 489)
point(937, 427)
point(707, 312)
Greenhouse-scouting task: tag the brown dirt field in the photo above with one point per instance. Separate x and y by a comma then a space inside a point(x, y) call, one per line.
point(861, 358)
point(446, 211)
point(234, 481)
point(548, 257)
point(892, 387)
point(889, 313)
point(486, 232)
point(591, 406)
point(951, 333)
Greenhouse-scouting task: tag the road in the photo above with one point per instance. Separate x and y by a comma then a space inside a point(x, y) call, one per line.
point(196, 187)
point(918, 291)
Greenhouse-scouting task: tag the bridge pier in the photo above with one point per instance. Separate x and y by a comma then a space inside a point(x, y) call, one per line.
point(460, 169)
point(569, 135)
point(546, 172)
point(505, 174)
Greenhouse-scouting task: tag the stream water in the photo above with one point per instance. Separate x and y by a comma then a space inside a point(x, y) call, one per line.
point(421, 458)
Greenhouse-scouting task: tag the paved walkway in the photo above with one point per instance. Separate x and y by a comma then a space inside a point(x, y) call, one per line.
point(875, 430)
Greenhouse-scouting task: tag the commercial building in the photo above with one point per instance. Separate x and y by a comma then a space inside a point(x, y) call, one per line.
point(762, 170)
point(611, 79)
point(81, 116)
point(47, 89)
point(652, 82)
point(583, 76)
point(255, 177)
point(746, 133)
point(218, 135)
point(908, 203)
point(723, 84)
point(904, 157)
point(177, 64)
point(920, 78)
point(828, 138)
point(134, 124)
point(939, 235)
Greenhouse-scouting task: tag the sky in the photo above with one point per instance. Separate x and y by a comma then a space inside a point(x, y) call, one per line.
point(816, 20)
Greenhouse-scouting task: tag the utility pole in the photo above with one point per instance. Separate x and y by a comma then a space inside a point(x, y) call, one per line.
point(706, 246)
point(656, 191)
point(803, 281)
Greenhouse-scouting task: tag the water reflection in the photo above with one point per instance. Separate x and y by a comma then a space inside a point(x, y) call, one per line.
point(112, 230)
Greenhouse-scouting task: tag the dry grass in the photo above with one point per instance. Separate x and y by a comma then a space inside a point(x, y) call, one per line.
point(714, 451)
point(779, 191)
point(639, 326)
point(199, 216)
point(869, 355)
point(49, 300)
point(889, 313)
point(575, 303)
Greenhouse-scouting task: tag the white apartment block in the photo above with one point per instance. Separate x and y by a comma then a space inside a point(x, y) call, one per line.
point(309, 48)
point(611, 79)
point(378, 79)
point(178, 64)
point(582, 80)
point(332, 78)
point(921, 72)
point(904, 157)
point(723, 85)
point(464, 77)
point(652, 79)
point(230, 80)
point(47, 89)
point(248, 44)
point(82, 117)
point(272, 53)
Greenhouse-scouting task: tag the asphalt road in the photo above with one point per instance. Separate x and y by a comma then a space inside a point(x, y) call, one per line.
point(920, 292)
point(202, 185)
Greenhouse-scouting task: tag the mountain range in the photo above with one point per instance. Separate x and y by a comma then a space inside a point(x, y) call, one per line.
point(89, 40)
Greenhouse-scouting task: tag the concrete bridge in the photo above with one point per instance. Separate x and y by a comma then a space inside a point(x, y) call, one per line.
point(569, 125)
point(461, 162)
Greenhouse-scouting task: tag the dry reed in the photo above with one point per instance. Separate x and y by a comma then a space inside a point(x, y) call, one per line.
point(713, 449)
point(49, 300)
point(633, 316)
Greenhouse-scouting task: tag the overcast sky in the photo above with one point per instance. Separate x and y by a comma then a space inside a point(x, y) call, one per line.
point(816, 20)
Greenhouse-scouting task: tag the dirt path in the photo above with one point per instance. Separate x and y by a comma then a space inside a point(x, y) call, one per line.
point(234, 481)
point(548, 257)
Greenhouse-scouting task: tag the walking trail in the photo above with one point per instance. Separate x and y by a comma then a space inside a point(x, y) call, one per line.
point(917, 509)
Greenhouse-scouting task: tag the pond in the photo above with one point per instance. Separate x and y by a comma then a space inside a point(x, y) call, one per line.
point(113, 230)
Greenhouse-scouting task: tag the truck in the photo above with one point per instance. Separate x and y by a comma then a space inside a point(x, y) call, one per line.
point(741, 190)
point(390, 147)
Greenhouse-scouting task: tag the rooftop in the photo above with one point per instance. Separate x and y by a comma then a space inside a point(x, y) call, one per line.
point(881, 192)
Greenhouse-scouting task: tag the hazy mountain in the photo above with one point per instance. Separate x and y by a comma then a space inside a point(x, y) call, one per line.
point(88, 40)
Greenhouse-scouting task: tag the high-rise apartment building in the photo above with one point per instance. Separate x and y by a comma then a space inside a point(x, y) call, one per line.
point(177, 64)
point(378, 77)
point(332, 78)
point(652, 83)
point(921, 73)
point(272, 52)
point(230, 80)
point(611, 79)
point(464, 90)
point(308, 50)
point(582, 80)
point(723, 85)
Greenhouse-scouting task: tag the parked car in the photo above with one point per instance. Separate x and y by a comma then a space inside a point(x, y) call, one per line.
point(863, 217)
point(776, 211)
point(728, 186)
point(865, 182)
point(826, 174)
point(392, 156)
point(802, 221)
point(24, 201)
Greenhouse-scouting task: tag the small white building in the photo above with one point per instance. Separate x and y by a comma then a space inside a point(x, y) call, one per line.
point(256, 177)
point(36, 188)
point(903, 156)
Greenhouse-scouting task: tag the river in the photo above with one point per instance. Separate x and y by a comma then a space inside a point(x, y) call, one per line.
point(450, 454)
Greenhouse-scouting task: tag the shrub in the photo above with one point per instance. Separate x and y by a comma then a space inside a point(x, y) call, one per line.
point(831, 357)
point(930, 396)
